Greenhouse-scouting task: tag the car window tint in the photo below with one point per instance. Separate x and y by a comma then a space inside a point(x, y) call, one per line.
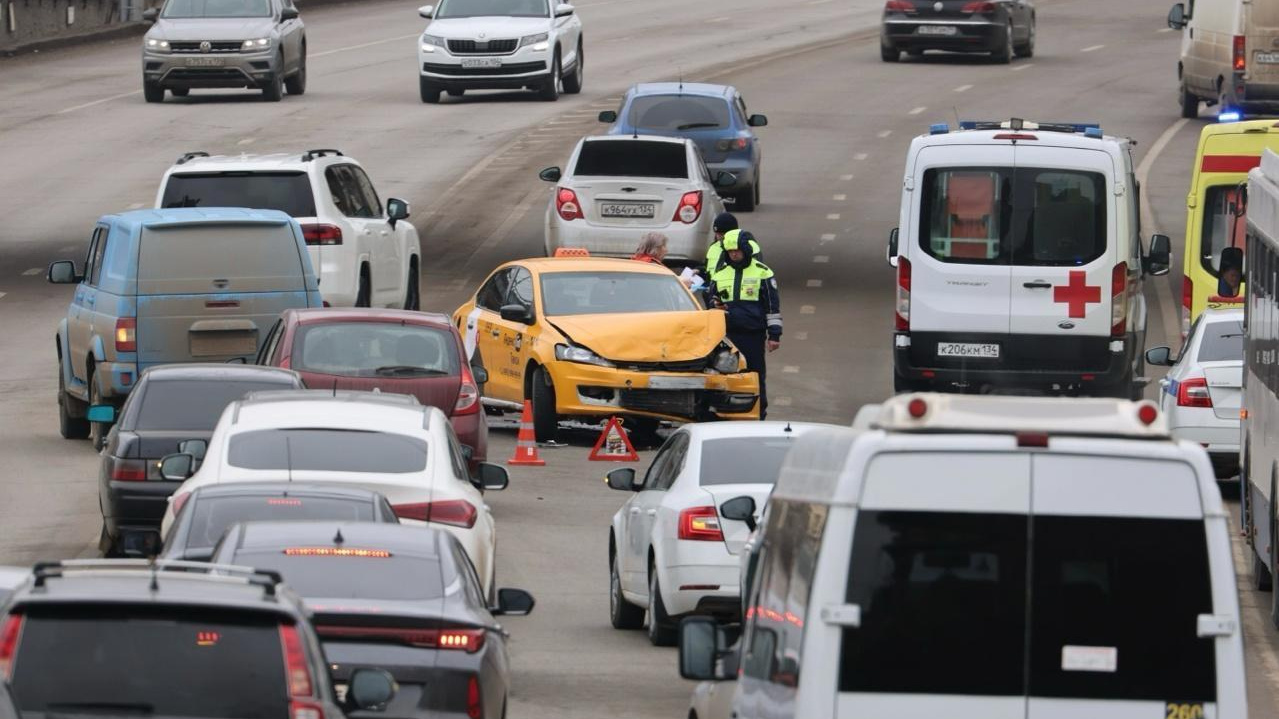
point(743, 460)
point(375, 349)
point(117, 261)
point(632, 158)
point(1221, 341)
point(213, 515)
point(595, 293)
point(359, 204)
point(1130, 586)
point(179, 9)
point(288, 192)
point(167, 661)
point(522, 288)
point(99, 250)
point(396, 577)
point(483, 8)
point(660, 462)
point(339, 191)
point(189, 258)
point(493, 294)
point(934, 588)
point(372, 203)
point(676, 454)
point(466, 572)
point(194, 404)
point(679, 113)
point(456, 457)
point(92, 250)
point(327, 450)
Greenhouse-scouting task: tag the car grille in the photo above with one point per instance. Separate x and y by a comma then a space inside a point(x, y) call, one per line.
point(193, 48)
point(519, 68)
point(482, 47)
point(696, 365)
point(680, 402)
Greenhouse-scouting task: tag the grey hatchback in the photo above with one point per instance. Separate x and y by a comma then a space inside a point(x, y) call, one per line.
point(224, 44)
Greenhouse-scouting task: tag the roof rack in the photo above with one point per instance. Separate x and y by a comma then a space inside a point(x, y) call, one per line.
point(1016, 124)
point(313, 154)
point(267, 579)
point(187, 157)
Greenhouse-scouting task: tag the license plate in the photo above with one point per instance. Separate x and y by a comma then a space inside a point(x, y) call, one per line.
point(206, 61)
point(1268, 58)
point(968, 350)
point(938, 30)
point(677, 383)
point(628, 209)
point(488, 62)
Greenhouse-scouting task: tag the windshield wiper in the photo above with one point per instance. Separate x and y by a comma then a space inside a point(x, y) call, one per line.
point(102, 707)
point(695, 125)
point(408, 369)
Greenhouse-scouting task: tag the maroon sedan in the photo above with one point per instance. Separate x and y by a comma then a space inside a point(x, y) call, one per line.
point(400, 351)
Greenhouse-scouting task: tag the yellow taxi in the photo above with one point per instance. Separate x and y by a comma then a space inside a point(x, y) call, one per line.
point(589, 338)
point(1215, 221)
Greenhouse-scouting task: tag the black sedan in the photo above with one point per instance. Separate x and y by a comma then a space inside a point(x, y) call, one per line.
point(1002, 28)
point(213, 508)
point(169, 405)
point(401, 598)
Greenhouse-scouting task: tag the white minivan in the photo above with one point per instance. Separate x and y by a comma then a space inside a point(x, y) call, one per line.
point(1019, 262)
point(1229, 56)
point(994, 558)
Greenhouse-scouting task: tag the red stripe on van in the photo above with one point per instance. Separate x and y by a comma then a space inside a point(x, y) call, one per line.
point(1229, 163)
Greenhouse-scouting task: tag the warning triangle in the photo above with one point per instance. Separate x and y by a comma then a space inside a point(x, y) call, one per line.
point(613, 444)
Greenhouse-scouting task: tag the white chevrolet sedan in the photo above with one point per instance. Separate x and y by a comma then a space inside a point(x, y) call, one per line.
point(672, 550)
point(618, 187)
point(1202, 393)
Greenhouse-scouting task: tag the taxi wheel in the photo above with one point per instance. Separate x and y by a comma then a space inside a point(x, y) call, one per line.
point(413, 295)
point(660, 630)
point(546, 424)
point(71, 427)
point(621, 613)
point(746, 200)
point(551, 88)
point(273, 90)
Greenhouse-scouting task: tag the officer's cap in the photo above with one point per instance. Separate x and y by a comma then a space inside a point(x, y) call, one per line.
point(724, 222)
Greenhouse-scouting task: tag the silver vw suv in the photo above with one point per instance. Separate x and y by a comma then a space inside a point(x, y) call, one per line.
point(224, 43)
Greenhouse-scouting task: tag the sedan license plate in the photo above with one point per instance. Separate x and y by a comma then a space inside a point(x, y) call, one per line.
point(486, 62)
point(1268, 58)
point(206, 61)
point(645, 210)
point(968, 350)
point(677, 383)
point(938, 30)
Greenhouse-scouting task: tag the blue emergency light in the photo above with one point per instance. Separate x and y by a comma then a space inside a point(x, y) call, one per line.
point(938, 128)
point(1089, 129)
point(1229, 116)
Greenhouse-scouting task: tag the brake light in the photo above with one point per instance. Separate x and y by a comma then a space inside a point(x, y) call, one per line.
point(457, 638)
point(336, 552)
point(903, 293)
point(468, 397)
point(315, 233)
point(474, 703)
point(899, 6)
point(690, 207)
point(1187, 300)
point(126, 334)
point(740, 143)
point(454, 512)
point(179, 501)
point(567, 206)
point(128, 470)
point(10, 633)
point(1241, 57)
point(980, 7)
point(1119, 300)
point(298, 675)
point(1193, 393)
point(1014, 136)
point(701, 524)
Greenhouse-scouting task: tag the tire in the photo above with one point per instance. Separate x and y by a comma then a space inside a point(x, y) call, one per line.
point(573, 83)
point(180, 91)
point(888, 53)
point(1004, 54)
point(430, 92)
point(457, 92)
point(745, 200)
point(546, 424)
point(551, 88)
point(97, 430)
point(273, 91)
point(152, 92)
point(413, 294)
point(643, 431)
point(1027, 50)
point(621, 613)
point(660, 630)
point(759, 194)
point(1261, 579)
point(1189, 102)
point(70, 426)
point(363, 292)
point(296, 84)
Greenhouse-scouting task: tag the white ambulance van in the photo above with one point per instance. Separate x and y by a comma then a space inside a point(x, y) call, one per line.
point(989, 558)
point(1020, 263)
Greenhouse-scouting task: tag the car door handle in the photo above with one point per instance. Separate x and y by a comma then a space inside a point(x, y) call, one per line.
point(1037, 285)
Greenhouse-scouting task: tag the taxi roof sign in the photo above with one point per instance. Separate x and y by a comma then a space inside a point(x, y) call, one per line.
point(1051, 416)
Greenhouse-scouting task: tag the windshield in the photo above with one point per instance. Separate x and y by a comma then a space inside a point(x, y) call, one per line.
point(597, 293)
point(193, 404)
point(678, 112)
point(217, 8)
point(213, 515)
point(1222, 342)
point(327, 450)
point(1224, 224)
point(743, 460)
point(396, 577)
point(632, 158)
point(376, 349)
point(288, 192)
point(482, 8)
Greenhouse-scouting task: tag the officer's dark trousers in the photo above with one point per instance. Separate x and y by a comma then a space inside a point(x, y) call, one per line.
point(752, 346)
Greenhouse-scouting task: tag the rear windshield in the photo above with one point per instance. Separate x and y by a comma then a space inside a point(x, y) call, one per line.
point(213, 515)
point(396, 577)
point(132, 661)
point(327, 450)
point(1221, 342)
point(192, 404)
point(1103, 623)
point(217, 8)
point(743, 460)
point(632, 158)
point(376, 349)
point(678, 112)
point(192, 257)
point(288, 192)
point(1022, 216)
point(593, 293)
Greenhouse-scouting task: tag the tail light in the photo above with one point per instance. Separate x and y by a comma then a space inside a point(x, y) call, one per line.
point(899, 6)
point(700, 523)
point(1193, 393)
point(1241, 57)
point(1187, 301)
point(315, 233)
point(474, 702)
point(984, 8)
point(567, 206)
point(126, 334)
point(740, 143)
point(297, 673)
point(179, 501)
point(127, 470)
point(690, 207)
point(9, 635)
point(467, 639)
point(903, 293)
point(454, 512)
point(468, 397)
point(1119, 300)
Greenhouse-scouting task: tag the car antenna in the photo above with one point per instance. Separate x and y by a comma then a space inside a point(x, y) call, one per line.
point(335, 386)
point(155, 582)
point(288, 456)
point(634, 127)
point(787, 429)
point(338, 538)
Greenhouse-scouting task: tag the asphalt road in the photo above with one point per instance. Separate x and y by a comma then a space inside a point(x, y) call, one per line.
point(77, 141)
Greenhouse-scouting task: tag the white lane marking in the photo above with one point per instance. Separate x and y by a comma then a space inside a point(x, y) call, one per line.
point(791, 369)
point(828, 237)
point(963, 88)
point(1091, 48)
point(2, 294)
point(801, 336)
point(1164, 29)
point(1162, 287)
point(811, 283)
point(821, 259)
point(136, 206)
point(247, 141)
point(833, 216)
point(719, 19)
point(361, 46)
point(808, 309)
point(846, 178)
point(817, 2)
point(32, 271)
point(122, 95)
point(781, 402)
point(859, 157)
point(1027, 66)
point(839, 198)
point(884, 133)
point(917, 110)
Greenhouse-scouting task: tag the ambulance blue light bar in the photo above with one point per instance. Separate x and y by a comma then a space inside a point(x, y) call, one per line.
point(1229, 116)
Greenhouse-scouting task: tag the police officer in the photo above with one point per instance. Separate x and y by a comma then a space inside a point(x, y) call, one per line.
point(746, 289)
point(724, 223)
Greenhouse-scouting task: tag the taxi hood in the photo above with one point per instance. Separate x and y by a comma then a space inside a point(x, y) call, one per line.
point(645, 336)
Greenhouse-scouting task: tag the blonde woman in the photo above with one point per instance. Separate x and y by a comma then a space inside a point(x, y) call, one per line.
point(652, 248)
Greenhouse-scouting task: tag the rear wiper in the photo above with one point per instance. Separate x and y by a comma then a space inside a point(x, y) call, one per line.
point(408, 369)
point(102, 707)
point(695, 125)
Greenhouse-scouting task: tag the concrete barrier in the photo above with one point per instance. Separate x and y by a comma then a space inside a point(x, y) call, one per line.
point(31, 24)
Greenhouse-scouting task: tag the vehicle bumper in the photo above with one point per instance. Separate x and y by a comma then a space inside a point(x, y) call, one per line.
point(432, 684)
point(338, 274)
point(969, 35)
point(525, 67)
point(117, 378)
point(1033, 362)
point(132, 512)
point(590, 391)
point(1220, 438)
point(722, 602)
point(237, 70)
point(743, 168)
point(1256, 97)
point(684, 242)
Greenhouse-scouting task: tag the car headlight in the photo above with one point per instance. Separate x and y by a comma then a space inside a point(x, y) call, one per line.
point(725, 361)
point(157, 45)
point(258, 44)
point(540, 41)
point(430, 42)
point(570, 353)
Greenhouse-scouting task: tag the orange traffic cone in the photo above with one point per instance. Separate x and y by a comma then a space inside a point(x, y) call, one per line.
point(525, 442)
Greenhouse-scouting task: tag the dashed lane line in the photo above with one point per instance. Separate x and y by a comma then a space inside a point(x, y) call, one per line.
point(821, 259)
point(1162, 286)
point(839, 198)
point(136, 206)
point(846, 178)
point(82, 106)
point(32, 272)
point(801, 336)
point(859, 157)
point(790, 369)
point(828, 237)
point(833, 216)
point(963, 88)
point(884, 133)
point(719, 19)
point(247, 141)
point(361, 46)
point(1092, 48)
point(1027, 66)
point(808, 309)
point(916, 111)
point(811, 283)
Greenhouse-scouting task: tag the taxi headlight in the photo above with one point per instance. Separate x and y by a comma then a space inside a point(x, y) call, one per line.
point(539, 41)
point(258, 44)
point(725, 361)
point(570, 353)
point(157, 45)
point(430, 42)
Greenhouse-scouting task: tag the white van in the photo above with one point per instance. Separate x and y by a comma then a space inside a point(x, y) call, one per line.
point(1019, 262)
point(1229, 56)
point(990, 558)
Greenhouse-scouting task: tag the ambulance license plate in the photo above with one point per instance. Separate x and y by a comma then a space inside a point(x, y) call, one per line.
point(1268, 58)
point(938, 30)
point(968, 350)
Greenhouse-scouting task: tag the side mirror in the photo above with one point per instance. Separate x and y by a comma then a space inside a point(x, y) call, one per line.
point(289, 13)
point(151, 14)
point(1159, 356)
point(426, 11)
point(724, 178)
point(757, 121)
point(892, 247)
point(62, 272)
point(740, 508)
point(194, 447)
point(177, 467)
point(101, 413)
point(396, 210)
point(609, 116)
point(494, 477)
point(564, 10)
point(550, 174)
point(513, 603)
point(700, 639)
point(1156, 261)
point(370, 690)
point(1177, 17)
point(621, 479)
point(479, 374)
point(517, 313)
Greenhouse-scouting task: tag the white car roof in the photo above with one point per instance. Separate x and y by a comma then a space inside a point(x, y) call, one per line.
point(1091, 417)
point(1052, 138)
point(702, 431)
point(636, 138)
point(280, 161)
point(338, 413)
point(1224, 315)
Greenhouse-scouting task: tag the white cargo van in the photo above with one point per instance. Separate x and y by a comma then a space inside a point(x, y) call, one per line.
point(1019, 262)
point(990, 558)
point(1229, 56)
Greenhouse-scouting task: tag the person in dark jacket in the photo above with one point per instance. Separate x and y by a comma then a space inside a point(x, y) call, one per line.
point(746, 289)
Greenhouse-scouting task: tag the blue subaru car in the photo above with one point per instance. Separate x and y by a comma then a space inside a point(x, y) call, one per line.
point(712, 116)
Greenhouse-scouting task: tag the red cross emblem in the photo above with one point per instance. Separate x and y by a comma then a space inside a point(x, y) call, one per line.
point(1077, 294)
